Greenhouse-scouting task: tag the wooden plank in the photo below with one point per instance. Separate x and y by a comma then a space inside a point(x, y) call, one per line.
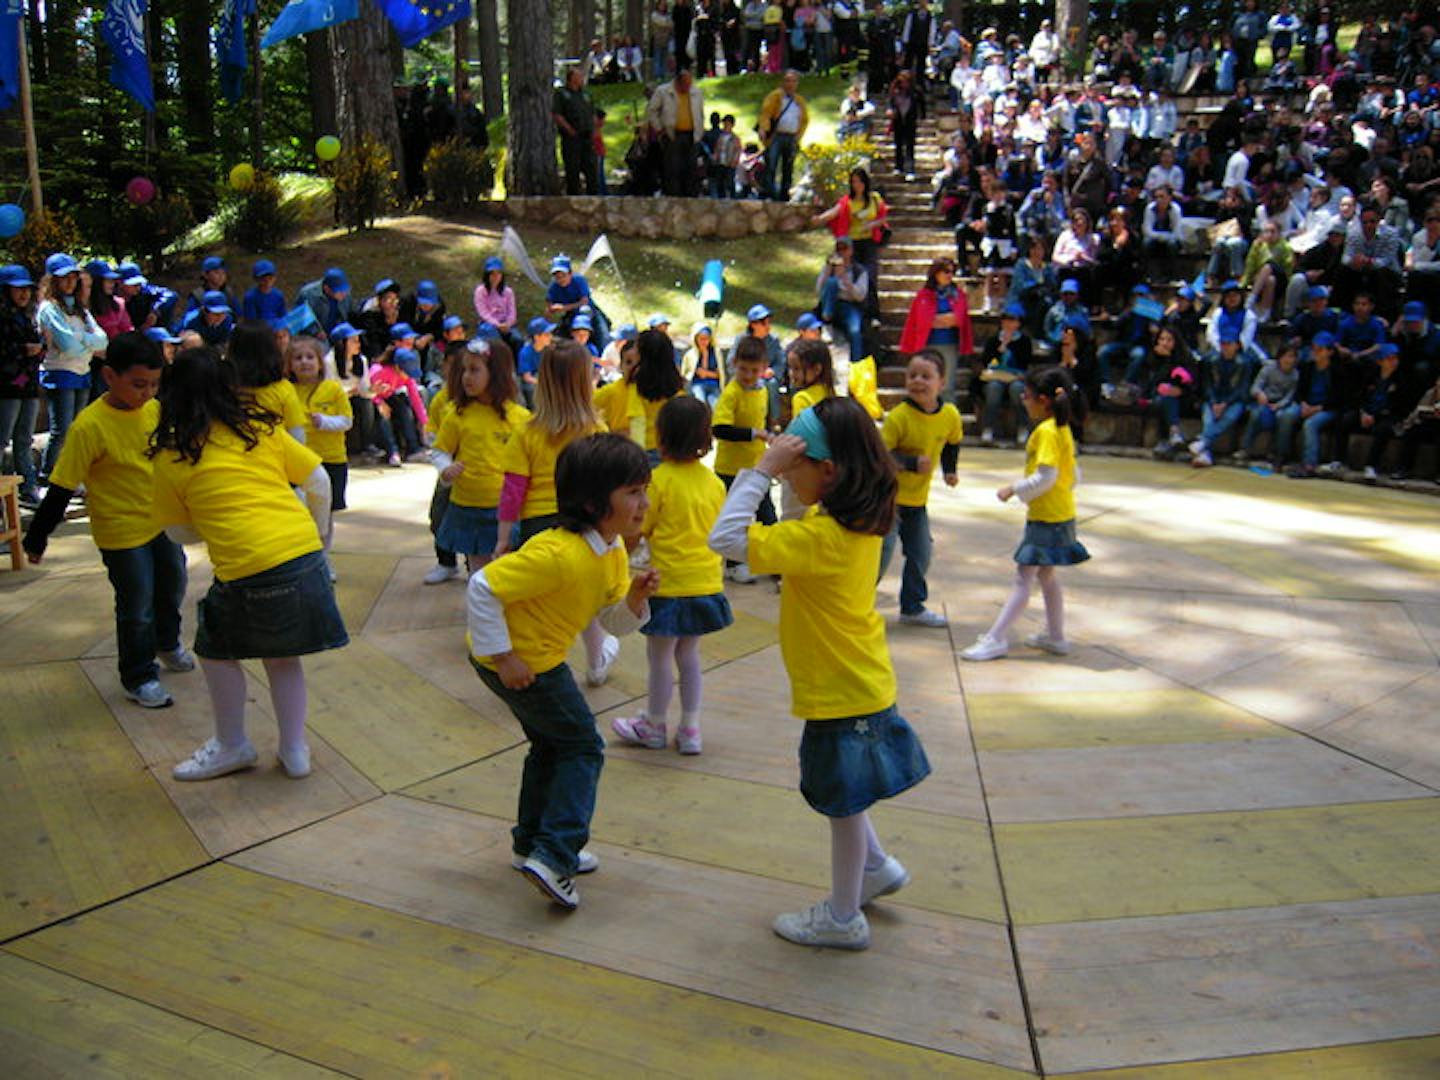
point(53, 1025)
point(361, 579)
point(408, 604)
point(235, 811)
point(928, 980)
point(60, 623)
point(1196, 654)
point(1090, 669)
point(1402, 1059)
point(1427, 618)
point(766, 830)
point(1139, 991)
point(1022, 721)
point(1397, 732)
point(1132, 781)
point(80, 820)
point(1126, 867)
point(368, 991)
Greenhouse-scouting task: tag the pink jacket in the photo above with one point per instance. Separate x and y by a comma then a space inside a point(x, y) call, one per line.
point(115, 323)
point(387, 380)
point(498, 309)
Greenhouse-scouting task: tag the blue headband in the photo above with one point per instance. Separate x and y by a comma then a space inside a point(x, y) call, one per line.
point(808, 427)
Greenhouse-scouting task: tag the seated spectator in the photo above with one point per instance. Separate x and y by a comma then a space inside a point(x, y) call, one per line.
point(1225, 380)
point(1165, 173)
point(1160, 230)
point(1077, 254)
point(1069, 310)
point(1042, 213)
point(1374, 411)
point(1317, 316)
point(1421, 426)
point(1232, 315)
point(1422, 263)
point(855, 113)
point(1271, 393)
point(1032, 284)
point(1003, 363)
point(1316, 267)
point(1076, 354)
point(1166, 381)
point(1372, 261)
point(939, 319)
point(1362, 332)
point(1419, 342)
point(1318, 401)
point(1267, 265)
point(1229, 237)
point(1186, 315)
point(1122, 357)
point(843, 287)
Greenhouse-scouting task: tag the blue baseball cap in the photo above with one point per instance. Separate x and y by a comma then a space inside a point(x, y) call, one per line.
point(161, 335)
point(1070, 285)
point(1231, 285)
point(401, 330)
point(127, 270)
point(1386, 348)
point(560, 263)
point(541, 325)
point(1317, 292)
point(211, 262)
point(450, 322)
point(581, 322)
point(16, 276)
point(1415, 311)
point(657, 320)
point(627, 332)
point(807, 321)
point(757, 313)
point(386, 284)
point(494, 262)
point(406, 358)
point(1013, 311)
point(215, 301)
point(1186, 292)
point(1323, 340)
point(427, 293)
point(487, 332)
point(263, 268)
point(60, 264)
point(99, 268)
point(342, 330)
point(1140, 290)
point(807, 426)
point(336, 281)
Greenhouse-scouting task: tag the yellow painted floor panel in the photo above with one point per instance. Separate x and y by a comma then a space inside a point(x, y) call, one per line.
point(1403, 1059)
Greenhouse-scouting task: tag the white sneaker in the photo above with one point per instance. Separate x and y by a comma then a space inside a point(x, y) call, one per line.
point(212, 760)
point(1370, 475)
point(1048, 644)
point(587, 864)
point(925, 617)
point(1202, 460)
point(891, 877)
point(1197, 447)
point(296, 762)
point(688, 741)
point(818, 926)
point(151, 695)
point(609, 651)
point(439, 574)
point(555, 888)
point(986, 648)
point(177, 659)
point(740, 574)
point(639, 731)
point(987, 437)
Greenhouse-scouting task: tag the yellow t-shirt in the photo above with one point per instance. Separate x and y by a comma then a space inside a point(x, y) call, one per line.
point(911, 431)
point(436, 412)
point(551, 588)
point(612, 402)
point(531, 454)
point(240, 501)
point(328, 398)
point(1054, 446)
point(739, 407)
point(685, 500)
point(640, 416)
point(105, 451)
point(808, 398)
point(863, 217)
point(281, 399)
point(476, 436)
point(831, 637)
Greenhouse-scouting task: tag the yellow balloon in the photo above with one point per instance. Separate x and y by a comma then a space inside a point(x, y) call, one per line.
point(242, 176)
point(327, 148)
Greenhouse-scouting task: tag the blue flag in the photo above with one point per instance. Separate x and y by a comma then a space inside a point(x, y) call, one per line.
point(304, 16)
point(230, 47)
point(123, 29)
point(298, 318)
point(415, 20)
point(11, 12)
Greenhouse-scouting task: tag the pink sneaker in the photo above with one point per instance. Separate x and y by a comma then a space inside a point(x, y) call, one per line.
point(639, 731)
point(687, 740)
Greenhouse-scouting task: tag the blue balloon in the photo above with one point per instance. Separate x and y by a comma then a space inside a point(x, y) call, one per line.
point(12, 220)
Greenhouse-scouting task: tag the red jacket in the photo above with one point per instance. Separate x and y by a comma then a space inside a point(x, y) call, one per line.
point(921, 321)
point(840, 223)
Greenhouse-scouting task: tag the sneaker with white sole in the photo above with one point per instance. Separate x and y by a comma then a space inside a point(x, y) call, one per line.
point(986, 648)
point(687, 740)
point(151, 695)
point(1048, 644)
point(439, 574)
point(1370, 474)
point(1197, 447)
point(212, 760)
point(639, 731)
point(609, 651)
point(890, 877)
point(1202, 460)
point(295, 762)
point(818, 926)
point(552, 885)
point(740, 574)
point(177, 659)
point(925, 617)
point(586, 864)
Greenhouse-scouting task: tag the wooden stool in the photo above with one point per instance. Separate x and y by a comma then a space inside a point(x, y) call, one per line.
point(10, 519)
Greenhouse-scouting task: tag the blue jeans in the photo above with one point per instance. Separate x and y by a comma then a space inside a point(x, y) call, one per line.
point(65, 405)
point(562, 768)
point(149, 584)
point(1132, 356)
point(1310, 431)
point(912, 529)
point(1262, 418)
point(17, 426)
point(780, 166)
point(1214, 426)
point(849, 317)
point(995, 394)
point(1169, 408)
point(706, 390)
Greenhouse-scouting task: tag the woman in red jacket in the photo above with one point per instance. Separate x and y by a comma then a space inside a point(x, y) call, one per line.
point(939, 319)
point(860, 215)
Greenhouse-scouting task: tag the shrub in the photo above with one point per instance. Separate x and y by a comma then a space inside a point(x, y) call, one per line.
point(829, 165)
point(258, 218)
point(365, 180)
point(458, 174)
point(148, 230)
point(43, 235)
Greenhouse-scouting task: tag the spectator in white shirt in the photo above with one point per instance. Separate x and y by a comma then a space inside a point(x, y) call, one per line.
point(1160, 231)
point(1165, 173)
point(1045, 47)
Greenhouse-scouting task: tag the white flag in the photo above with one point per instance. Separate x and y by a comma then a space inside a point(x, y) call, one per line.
point(600, 249)
point(513, 246)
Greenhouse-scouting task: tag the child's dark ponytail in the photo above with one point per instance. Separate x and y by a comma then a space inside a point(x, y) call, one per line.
point(862, 498)
point(199, 391)
point(1055, 384)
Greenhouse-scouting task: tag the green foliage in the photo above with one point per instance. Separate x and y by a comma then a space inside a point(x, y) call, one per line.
point(458, 174)
point(148, 230)
point(258, 218)
point(365, 181)
point(42, 236)
point(830, 165)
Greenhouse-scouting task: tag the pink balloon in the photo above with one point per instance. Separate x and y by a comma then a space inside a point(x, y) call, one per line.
point(140, 190)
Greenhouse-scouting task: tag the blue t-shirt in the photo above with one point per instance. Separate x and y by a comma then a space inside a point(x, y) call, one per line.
point(269, 306)
point(528, 362)
point(578, 289)
point(1357, 336)
point(943, 335)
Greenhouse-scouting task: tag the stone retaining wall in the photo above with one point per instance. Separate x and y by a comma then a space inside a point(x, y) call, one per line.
point(656, 218)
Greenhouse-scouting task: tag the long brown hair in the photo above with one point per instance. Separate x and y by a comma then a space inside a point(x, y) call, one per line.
point(862, 498)
point(499, 362)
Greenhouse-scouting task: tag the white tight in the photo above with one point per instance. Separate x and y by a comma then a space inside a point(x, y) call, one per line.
point(226, 680)
point(594, 637)
point(854, 848)
point(665, 654)
point(1020, 597)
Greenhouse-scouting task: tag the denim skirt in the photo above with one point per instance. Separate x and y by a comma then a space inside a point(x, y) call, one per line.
point(846, 765)
point(288, 610)
point(1050, 543)
point(687, 616)
point(471, 530)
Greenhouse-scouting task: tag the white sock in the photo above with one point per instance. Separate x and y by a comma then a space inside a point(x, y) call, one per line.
point(226, 682)
point(847, 865)
point(1054, 603)
point(287, 695)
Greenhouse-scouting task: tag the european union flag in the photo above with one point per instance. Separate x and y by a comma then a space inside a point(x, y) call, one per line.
point(123, 29)
point(415, 20)
point(303, 16)
point(230, 47)
point(11, 12)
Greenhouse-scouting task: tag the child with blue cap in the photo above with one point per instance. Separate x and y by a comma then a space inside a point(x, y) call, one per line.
point(264, 300)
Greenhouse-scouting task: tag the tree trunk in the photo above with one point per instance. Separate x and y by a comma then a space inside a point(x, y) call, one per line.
point(364, 102)
point(954, 10)
point(322, 83)
point(462, 58)
point(530, 166)
point(1072, 23)
point(35, 35)
point(582, 26)
point(487, 33)
point(635, 22)
point(61, 40)
point(257, 91)
point(197, 104)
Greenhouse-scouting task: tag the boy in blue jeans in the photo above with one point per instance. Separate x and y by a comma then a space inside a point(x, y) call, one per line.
point(1317, 403)
point(1226, 376)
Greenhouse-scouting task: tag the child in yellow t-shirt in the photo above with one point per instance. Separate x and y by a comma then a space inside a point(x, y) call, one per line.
point(810, 371)
point(468, 452)
point(523, 611)
point(224, 474)
point(1049, 491)
point(685, 498)
point(655, 381)
point(921, 432)
point(446, 566)
point(260, 367)
point(328, 415)
point(856, 748)
point(612, 401)
point(105, 450)
point(741, 429)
